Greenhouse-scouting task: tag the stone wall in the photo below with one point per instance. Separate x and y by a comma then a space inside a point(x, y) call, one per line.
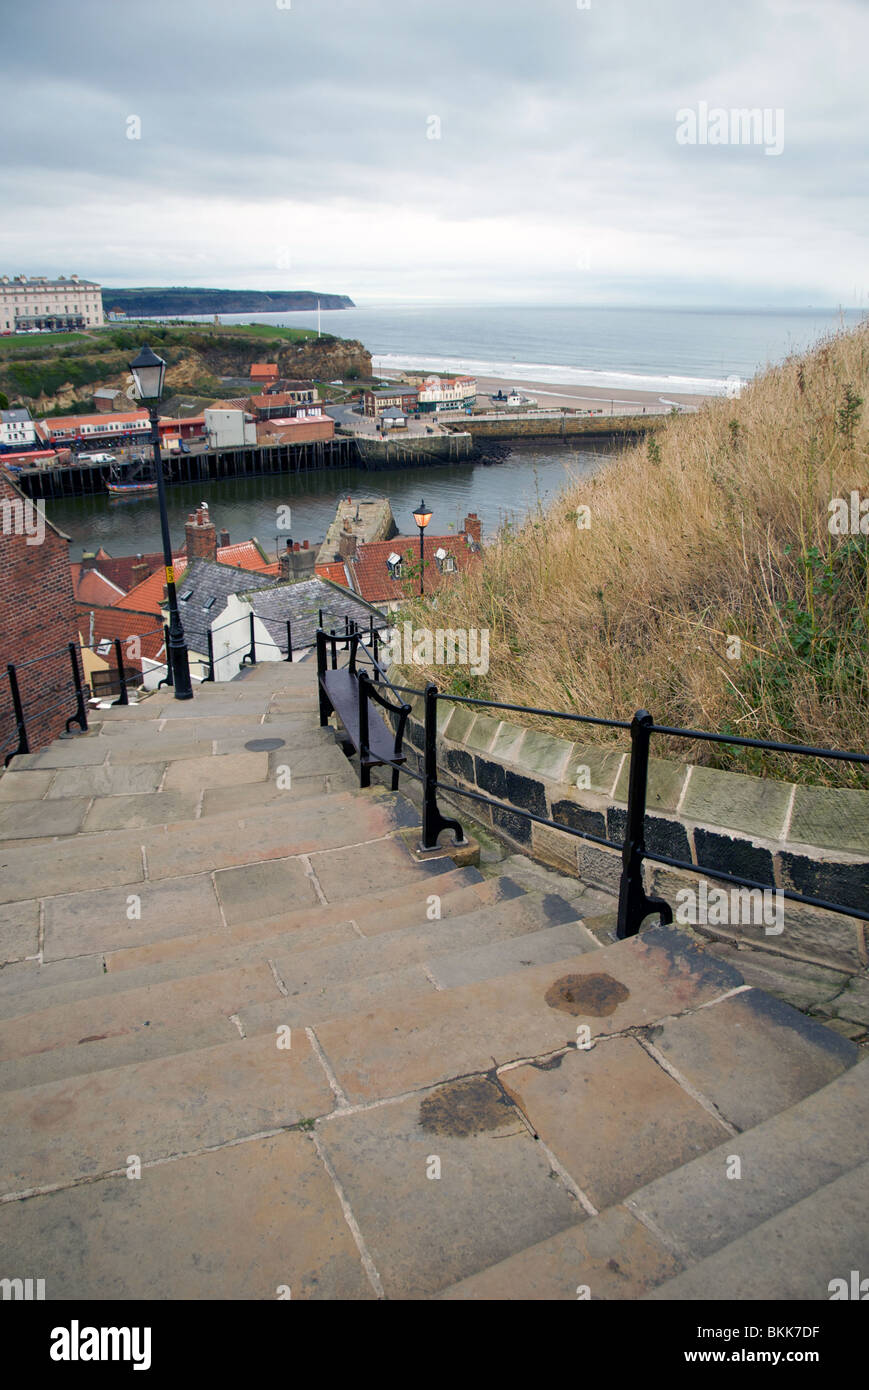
point(813, 840)
point(605, 426)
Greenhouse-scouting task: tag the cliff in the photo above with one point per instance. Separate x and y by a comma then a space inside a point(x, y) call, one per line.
point(181, 299)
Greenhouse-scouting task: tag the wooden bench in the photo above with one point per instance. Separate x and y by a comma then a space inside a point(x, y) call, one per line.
point(349, 694)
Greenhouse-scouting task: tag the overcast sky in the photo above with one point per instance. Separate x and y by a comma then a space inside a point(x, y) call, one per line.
point(287, 144)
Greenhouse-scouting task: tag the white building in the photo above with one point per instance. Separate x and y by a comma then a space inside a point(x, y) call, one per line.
point(67, 302)
point(447, 393)
point(228, 429)
point(17, 430)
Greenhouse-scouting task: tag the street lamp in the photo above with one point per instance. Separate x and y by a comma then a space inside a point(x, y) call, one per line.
point(422, 517)
point(148, 372)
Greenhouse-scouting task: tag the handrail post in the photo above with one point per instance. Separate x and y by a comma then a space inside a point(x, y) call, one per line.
point(18, 708)
point(334, 645)
point(634, 903)
point(123, 698)
point(210, 639)
point(251, 655)
point(375, 638)
point(80, 717)
point(289, 655)
point(364, 750)
point(322, 667)
point(169, 678)
point(432, 820)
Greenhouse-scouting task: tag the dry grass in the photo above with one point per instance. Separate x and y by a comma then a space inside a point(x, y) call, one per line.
point(714, 528)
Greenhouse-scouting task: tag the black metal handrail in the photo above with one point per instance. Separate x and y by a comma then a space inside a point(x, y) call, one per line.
point(635, 904)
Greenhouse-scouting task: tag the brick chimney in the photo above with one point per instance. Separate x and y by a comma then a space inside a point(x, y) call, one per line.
point(347, 546)
point(474, 527)
point(224, 536)
point(201, 535)
point(88, 559)
point(139, 572)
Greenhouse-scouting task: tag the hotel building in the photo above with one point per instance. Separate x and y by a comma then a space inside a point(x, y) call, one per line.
point(67, 302)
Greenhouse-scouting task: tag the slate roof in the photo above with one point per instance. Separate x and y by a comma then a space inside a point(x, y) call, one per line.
point(300, 604)
point(206, 580)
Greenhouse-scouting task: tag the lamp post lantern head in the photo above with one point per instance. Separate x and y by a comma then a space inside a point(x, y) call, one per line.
point(422, 516)
point(148, 372)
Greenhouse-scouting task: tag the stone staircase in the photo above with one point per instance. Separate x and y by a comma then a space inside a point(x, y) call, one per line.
point(248, 1045)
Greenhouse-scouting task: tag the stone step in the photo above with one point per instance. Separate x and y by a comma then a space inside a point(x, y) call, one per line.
point(185, 1231)
point(30, 985)
point(810, 1251)
point(84, 1126)
point(112, 858)
point(632, 985)
point(102, 1007)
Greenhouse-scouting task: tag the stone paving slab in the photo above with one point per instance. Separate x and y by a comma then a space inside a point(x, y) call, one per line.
point(484, 962)
point(192, 1236)
point(612, 1116)
point(140, 812)
point(476, 1026)
point(797, 1253)
point(24, 786)
point(133, 1010)
point(106, 780)
point(72, 866)
point(36, 980)
point(303, 1008)
point(699, 1209)
point(72, 752)
point(496, 1193)
point(119, 1050)
point(260, 835)
point(195, 774)
point(104, 919)
point(752, 1055)
point(19, 931)
point(89, 1124)
point(153, 751)
point(363, 869)
point(21, 819)
point(611, 1255)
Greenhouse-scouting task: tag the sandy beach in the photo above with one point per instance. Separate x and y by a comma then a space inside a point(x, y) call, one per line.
point(610, 400)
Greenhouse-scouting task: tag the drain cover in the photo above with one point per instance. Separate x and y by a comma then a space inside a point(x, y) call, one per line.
point(264, 745)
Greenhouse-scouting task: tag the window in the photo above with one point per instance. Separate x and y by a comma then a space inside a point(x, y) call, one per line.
point(188, 594)
point(393, 564)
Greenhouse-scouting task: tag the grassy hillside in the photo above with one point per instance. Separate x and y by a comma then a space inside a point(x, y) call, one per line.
point(716, 528)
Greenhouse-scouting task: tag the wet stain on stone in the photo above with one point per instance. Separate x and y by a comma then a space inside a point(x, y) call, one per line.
point(93, 1037)
point(264, 745)
point(462, 1108)
point(595, 995)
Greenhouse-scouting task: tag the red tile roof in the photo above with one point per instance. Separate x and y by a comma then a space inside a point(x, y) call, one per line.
point(333, 570)
point(107, 623)
point(147, 596)
point(90, 585)
point(264, 369)
point(246, 555)
point(105, 417)
point(369, 572)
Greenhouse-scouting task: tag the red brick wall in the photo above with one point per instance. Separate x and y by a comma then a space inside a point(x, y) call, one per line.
point(37, 616)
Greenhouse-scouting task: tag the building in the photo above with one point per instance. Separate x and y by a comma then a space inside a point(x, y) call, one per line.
point(298, 429)
point(283, 404)
point(108, 398)
point(111, 427)
point(263, 374)
point(404, 398)
point(17, 430)
point(393, 419)
point(387, 572)
point(67, 302)
point(447, 393)
point(228, 428)
point(37, 621)
point(143, 648)
point(272, 608)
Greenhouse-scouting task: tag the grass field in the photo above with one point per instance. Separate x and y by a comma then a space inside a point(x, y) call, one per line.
point(17, 340)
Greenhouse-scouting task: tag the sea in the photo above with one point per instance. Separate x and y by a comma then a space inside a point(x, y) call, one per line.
point(689, 351)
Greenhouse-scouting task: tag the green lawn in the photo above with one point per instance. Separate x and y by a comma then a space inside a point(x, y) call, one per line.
point(48, 339)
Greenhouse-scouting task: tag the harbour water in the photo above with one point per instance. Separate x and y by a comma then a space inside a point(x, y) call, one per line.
point(529, 477)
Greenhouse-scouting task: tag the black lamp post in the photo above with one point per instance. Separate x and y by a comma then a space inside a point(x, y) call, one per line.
point(422, 517)
point(148, 372)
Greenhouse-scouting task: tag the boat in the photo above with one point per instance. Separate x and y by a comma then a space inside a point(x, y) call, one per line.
point(128, 489)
